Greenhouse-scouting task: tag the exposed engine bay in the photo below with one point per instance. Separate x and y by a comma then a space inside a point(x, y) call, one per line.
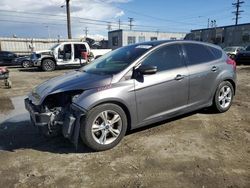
point(57, 107)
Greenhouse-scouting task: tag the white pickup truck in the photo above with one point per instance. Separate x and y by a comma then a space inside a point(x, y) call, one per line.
point(63, 54)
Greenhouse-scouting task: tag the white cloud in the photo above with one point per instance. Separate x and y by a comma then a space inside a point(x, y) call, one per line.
point(90, 9)
point(119, 14)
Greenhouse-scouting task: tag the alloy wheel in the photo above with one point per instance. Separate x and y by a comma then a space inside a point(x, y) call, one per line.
point(225, 96)
point(106, 127)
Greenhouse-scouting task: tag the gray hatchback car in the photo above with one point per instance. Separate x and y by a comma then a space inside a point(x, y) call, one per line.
point(131, 87)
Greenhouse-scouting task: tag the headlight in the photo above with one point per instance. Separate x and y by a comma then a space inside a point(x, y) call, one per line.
point(35, 95)
point(75, 97)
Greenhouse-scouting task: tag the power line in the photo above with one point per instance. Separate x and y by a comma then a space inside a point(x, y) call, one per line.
point(152, 17)
point(79, 19)
point(237, 13)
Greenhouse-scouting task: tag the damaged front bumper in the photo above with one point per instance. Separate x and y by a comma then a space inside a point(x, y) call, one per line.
point(70, 123)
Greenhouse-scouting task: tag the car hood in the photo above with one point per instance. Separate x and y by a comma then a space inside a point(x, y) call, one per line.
point(43, 51)
point(75, 80)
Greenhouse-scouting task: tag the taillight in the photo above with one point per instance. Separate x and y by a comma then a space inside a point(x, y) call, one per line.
point(231, 62)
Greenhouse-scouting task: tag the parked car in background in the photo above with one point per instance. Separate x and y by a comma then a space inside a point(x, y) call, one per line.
point(24, 61)
point(6, 58)
point(243, 57)
point(233, 50)
point(65, 54)
point(131, 87)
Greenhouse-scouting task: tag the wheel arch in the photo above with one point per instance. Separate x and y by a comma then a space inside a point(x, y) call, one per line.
point(233, 84)
point(120, 104)
point(48, 57)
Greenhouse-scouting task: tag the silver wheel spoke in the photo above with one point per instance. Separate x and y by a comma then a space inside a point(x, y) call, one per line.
point(227, 92)
point(104, 116)
point(223, 102)
point(103, 137)
point(115, 119)
point(228, 99)
point(114, 132)
point(221, 98)
point(96, 128)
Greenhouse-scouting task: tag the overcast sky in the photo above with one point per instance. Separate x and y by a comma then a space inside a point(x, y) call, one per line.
point(29, 18)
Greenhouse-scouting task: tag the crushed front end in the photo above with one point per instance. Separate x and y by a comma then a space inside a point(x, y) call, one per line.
point(57, 115)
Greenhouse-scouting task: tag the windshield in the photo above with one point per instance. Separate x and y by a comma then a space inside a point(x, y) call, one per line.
point(248, 48)
point(230, 49)
point(54, 46)
point(117, 60)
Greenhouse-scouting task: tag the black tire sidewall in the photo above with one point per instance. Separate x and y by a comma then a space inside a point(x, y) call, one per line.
point(24, 63)
point(52, 63)
point(217, 106)
point(86, 127)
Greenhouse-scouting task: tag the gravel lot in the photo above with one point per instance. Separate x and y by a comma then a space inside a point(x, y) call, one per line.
point(197, 150)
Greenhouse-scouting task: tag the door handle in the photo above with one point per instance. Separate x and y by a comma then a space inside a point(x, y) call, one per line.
point(179, 77)
point(214, 68)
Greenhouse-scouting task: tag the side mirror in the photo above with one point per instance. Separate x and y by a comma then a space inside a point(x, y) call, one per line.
point(147, 69)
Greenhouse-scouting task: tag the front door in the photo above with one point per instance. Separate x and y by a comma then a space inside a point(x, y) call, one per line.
point(166, 91)
point(65, 55)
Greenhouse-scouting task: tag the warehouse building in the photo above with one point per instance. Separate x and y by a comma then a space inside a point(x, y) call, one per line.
point(119, 38)
point(232, 35)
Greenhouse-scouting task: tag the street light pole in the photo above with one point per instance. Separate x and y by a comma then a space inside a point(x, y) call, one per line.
point(68, 19)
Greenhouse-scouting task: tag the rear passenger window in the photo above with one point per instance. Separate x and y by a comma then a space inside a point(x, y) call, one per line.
point(198, 53)
point(216, 52)
point(166, 58)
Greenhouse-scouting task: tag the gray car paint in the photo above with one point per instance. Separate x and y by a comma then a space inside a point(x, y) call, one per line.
point(158, 97)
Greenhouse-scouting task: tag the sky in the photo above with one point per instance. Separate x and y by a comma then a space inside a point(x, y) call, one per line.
point(47, 19)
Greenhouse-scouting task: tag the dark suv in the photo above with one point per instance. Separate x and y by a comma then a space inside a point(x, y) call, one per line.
point(131, 87)
point(7, 58)
point(243, 57)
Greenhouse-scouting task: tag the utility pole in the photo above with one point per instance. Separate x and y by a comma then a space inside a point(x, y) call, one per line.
point(237, 5)
point(68, 19)
point(119, 24)
point(109, 27)
point(208, 22)
point(130, 22)
point(86, 31)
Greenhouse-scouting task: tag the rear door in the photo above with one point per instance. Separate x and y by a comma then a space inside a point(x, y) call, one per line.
point(166, 91)
point(78, 49)
point(203, 67)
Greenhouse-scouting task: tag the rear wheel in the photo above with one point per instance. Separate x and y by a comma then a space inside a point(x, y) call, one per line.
point(48, 65)
point(104, 127)
point(26, 64)
point(223, 97)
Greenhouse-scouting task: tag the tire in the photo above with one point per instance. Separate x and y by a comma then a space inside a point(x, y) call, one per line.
point(48, 65)
point(223, 97)
point(97, 130)
point(26, 64)
point(232, 56)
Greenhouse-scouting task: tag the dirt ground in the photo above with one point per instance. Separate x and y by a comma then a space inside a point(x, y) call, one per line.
point(200, 150)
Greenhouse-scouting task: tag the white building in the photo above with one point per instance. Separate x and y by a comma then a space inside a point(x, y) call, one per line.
point(119, 38)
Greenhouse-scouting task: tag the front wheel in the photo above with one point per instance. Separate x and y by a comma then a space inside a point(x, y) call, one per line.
point(223, 97)
point(104, 127)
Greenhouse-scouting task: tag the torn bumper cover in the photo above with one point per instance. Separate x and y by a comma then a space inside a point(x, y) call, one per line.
point(71, 121)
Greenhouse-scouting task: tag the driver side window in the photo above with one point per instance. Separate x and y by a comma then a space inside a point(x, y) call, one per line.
point(165, 58)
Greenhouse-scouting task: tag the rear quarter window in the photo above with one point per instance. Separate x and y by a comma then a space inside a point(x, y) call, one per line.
point(198, 53)
point(216, 52)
